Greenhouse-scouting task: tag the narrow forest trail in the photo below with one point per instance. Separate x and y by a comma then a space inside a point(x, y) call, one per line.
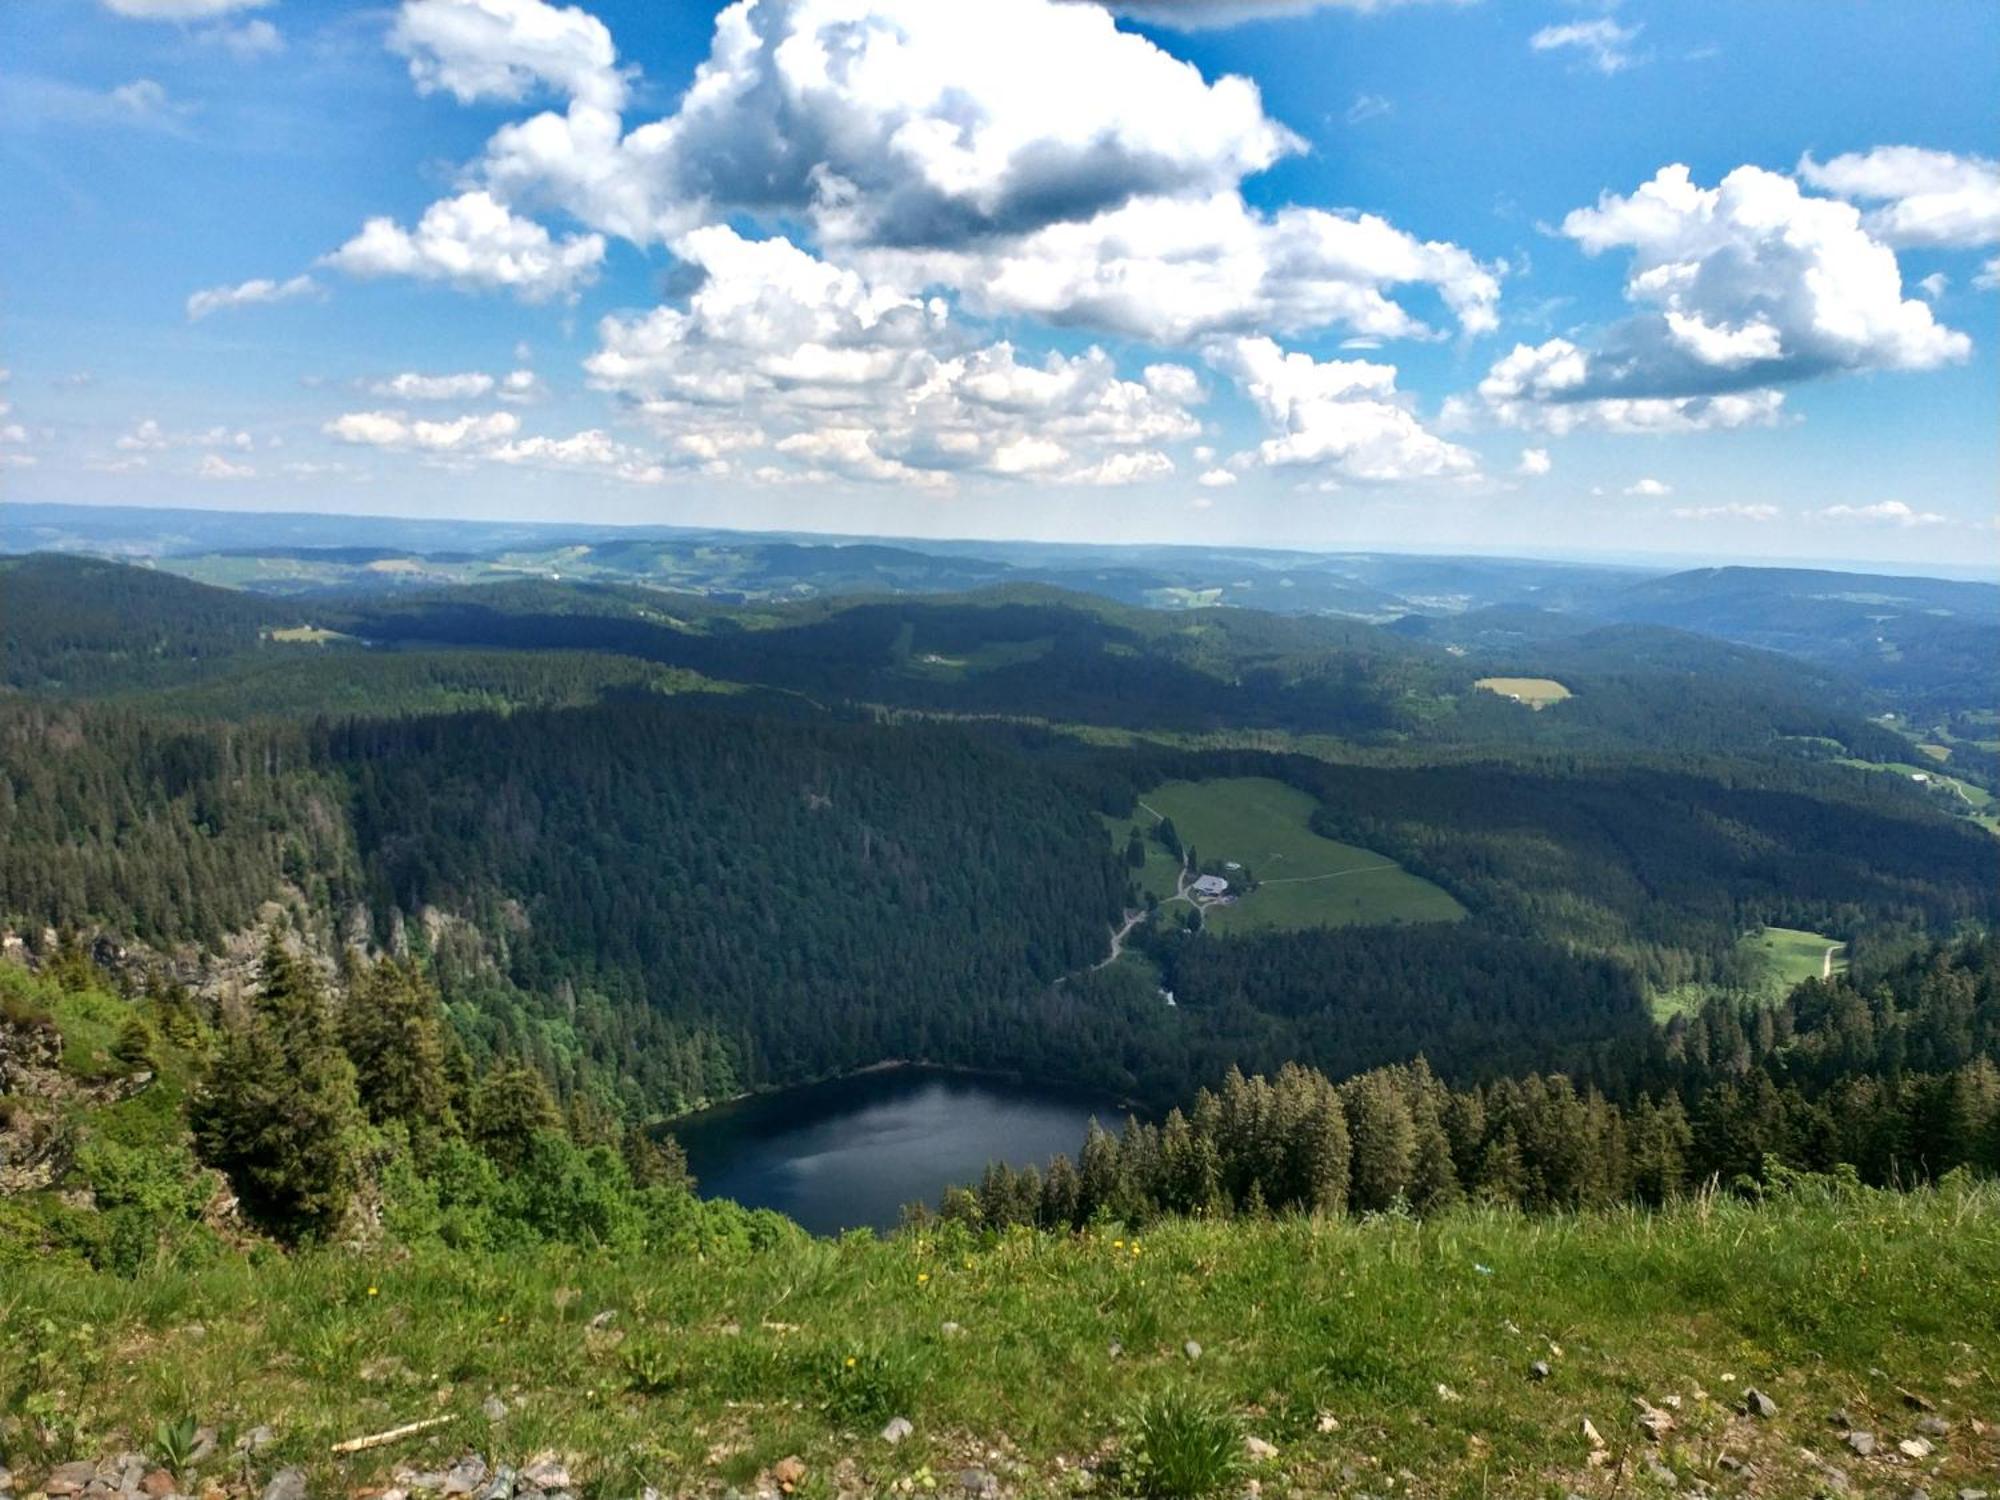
point(1118, 936)
point(1826, 963)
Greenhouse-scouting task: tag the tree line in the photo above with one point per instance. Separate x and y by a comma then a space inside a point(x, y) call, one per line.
point(1896, 1080)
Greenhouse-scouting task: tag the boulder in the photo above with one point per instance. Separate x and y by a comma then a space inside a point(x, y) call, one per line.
point(897, 1429)
point(1861, 1441)
point(1656, 1423)
point(1258, 1451)
point(547, 1471)
point(68, 1479)
point(286, 1484)
point(466, 1477)
point(1757, 1404)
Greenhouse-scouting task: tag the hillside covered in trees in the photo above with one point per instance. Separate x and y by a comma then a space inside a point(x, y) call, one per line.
point(664, 850)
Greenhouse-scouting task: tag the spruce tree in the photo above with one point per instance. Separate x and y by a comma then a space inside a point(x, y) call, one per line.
point(394, 1031)
point(278, 1113)
point(1098, 1166)
point(510, 1107)
point(1062, 1192)
point(1384, 1142)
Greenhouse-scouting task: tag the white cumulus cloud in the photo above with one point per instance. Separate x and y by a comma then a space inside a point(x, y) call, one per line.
point(778, 351)
point(505, 49)
point(215, 466)
point(466, 386)
point(1602, 42)
point(1885, 513)
point(476, 243)
point(1176, 270)
point(1027, 154)
point(148, 436)
point(1742, 289)
point(384, 429)
point(1341, 415)
point(1926, 197)
point(258, 291)
point(1649, 488)
point(1535, 462)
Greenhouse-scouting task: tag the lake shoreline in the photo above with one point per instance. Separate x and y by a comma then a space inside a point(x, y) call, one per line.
point(1125, 1104)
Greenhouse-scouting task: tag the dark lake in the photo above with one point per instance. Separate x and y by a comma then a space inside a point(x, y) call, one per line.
point(850, 1153)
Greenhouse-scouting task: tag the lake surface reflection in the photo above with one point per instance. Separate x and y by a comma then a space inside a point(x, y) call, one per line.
point(849, 1154)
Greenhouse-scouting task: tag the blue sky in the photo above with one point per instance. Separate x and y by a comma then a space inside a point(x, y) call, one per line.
point(1700, 280)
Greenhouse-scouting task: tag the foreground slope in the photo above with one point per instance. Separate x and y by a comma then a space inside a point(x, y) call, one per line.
point(1459, 1356)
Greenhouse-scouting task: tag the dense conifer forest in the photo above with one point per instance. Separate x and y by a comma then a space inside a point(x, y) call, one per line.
point(702, 856)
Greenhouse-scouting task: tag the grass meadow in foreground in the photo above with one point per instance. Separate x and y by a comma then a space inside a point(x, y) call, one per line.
point(1385, 1356)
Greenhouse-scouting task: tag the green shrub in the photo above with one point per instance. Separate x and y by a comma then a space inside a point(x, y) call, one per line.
point(866, 1386)
point(1181, 1446)
point(651, 1369)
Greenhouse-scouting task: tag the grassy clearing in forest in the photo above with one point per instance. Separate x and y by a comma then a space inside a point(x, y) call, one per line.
point(1790, 955)
point(1304, 880)
point(1536, 692)
point(311, 635)
point(1775, 959)
point(1361, 1350)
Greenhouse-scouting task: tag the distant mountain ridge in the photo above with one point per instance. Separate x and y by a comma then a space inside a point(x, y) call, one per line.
point(1929, 647)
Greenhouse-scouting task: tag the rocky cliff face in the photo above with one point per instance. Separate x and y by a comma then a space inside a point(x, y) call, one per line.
point(35, 1142)
point(38, 1101)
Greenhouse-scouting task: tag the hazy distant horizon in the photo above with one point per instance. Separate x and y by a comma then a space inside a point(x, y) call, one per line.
point(1985, 572)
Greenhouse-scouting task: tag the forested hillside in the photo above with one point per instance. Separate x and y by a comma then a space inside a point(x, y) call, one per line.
point(79, 625)
point(698, 857)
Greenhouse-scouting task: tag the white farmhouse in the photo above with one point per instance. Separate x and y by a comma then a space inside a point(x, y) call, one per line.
point(1210, 885)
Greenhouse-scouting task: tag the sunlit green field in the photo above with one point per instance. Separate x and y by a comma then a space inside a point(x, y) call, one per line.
point(1536, 692)
point(1776, 959)
point(1304, 880)
point(1791, 955)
